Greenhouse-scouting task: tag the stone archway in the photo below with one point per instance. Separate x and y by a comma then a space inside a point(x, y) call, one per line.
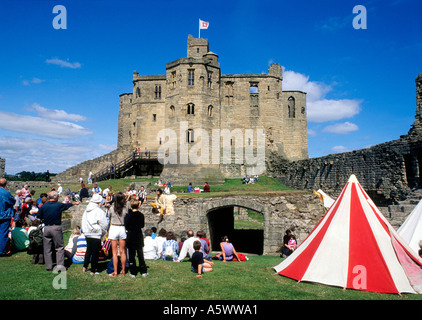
point(220, 220)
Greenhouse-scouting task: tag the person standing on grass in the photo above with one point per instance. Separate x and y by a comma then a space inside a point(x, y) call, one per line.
point(7, 212)
point(94, 226)
point(51, 215)
point(117, 232)
point(134, 223)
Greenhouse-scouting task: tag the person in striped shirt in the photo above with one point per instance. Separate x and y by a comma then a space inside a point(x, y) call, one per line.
point(79, 255)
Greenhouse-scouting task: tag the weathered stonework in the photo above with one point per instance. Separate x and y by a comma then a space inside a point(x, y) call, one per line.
point(73, 174)
point(191, 101)
point(2, 167)
point(388, 171)
point(296, 211)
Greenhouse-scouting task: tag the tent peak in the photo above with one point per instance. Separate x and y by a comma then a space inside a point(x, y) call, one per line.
point(353, 179)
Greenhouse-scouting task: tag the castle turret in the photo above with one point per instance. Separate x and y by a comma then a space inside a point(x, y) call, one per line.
point(417, 125)
point(197, 47)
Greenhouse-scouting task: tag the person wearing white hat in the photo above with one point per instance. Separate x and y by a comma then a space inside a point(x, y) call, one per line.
point(94, 226)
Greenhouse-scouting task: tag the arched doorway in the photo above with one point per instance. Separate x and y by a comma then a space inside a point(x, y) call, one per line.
point(243, 225)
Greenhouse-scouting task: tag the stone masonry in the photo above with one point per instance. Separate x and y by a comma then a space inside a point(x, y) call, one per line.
point(297, 211)
point(2, 167)
point(193, 104)
point(389, 171)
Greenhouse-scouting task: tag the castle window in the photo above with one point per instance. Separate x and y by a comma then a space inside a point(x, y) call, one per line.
point(210, 111)
point(154, 117)
point(157, 92)
point(230, 92)
point(138, 92)
point(172, 111)
point(209, 82)
point(189, 136)
point(190, 109)
point(173, 79)
point(253, 88)
point(291, 107)
point(191, 77)
point(197, 50)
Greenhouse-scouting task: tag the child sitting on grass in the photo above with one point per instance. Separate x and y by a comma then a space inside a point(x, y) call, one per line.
point(198, 264)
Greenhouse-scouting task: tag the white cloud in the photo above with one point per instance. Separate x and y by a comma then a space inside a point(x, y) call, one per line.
point(332, 110)
point(40, 126)
point(312, 133)
point(34, 81)
point(340, 149)
point(56, 114)
point(341, 128)
point(39, 155)
point(63, 63)
point(320, 109)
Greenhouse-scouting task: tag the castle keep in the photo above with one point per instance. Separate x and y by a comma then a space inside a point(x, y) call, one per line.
point(196, 103)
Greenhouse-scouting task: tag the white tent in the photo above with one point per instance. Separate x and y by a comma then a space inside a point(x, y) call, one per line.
point(354, 246)
point(411, 229)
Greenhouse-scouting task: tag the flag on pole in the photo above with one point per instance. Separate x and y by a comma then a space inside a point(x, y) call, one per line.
point(203, 24)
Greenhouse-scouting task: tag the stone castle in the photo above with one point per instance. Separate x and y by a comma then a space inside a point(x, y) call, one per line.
point(193, 111)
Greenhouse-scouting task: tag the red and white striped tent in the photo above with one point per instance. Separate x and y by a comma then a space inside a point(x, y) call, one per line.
point(354, 247)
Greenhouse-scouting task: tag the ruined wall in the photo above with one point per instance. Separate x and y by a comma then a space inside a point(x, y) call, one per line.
point(296, 211)
point(2, 167)
point(73, 174)
point(388, 171)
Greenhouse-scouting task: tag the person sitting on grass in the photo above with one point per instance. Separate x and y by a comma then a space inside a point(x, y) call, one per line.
point(19, 237)
point(198, 264)
point(228, 252)
point(170, 247)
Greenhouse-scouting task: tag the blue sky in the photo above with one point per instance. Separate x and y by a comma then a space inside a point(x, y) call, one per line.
point(59, 89)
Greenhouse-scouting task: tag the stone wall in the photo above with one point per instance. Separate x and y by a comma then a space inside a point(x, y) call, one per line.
point(2, 167)
point(388, 171)
point(73, 174)
point(297, 211)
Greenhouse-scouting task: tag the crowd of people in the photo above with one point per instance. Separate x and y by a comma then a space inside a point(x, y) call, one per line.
point(250, 180)
point(111, 228)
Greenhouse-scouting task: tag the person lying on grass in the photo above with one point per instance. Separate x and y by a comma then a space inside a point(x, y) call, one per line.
point(198, 264)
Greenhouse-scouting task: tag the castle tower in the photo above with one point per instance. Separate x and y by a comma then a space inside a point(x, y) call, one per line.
point(192, 111)
point(210, 126)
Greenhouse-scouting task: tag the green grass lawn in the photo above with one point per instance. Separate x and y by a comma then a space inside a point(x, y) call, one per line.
point(231, 187)
point(249, 280)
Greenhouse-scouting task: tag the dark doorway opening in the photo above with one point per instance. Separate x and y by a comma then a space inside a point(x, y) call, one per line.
point(242, 226)
point(410, 170)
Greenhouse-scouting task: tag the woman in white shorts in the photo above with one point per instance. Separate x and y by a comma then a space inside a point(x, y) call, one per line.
point(117, 232)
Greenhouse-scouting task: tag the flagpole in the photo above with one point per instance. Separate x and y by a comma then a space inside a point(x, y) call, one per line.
point(199, 26)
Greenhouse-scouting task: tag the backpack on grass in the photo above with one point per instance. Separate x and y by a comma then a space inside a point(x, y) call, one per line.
point(35, 241)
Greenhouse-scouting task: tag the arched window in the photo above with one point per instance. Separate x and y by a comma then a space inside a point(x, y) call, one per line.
point(172, 111)
point(210, 107)
point(189, 136)
point(291, 107)
point(190, 109)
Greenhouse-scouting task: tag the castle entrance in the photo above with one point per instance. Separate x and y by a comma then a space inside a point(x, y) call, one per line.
point(243, 226)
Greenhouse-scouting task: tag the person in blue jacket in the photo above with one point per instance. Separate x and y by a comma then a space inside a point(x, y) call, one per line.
point(7, 201)
point(190, 187)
